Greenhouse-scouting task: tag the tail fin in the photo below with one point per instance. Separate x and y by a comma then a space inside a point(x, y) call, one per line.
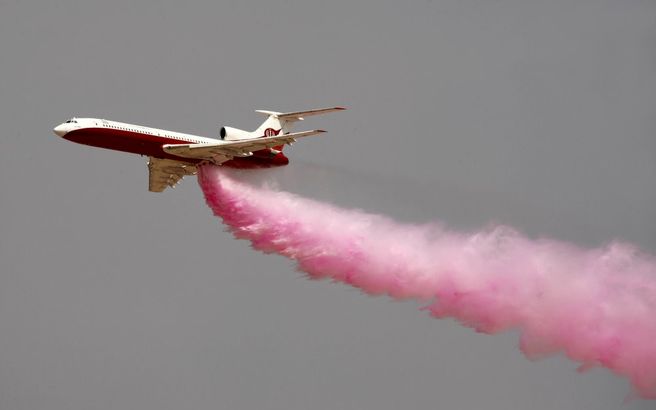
point(272, 126)
point(278, 122)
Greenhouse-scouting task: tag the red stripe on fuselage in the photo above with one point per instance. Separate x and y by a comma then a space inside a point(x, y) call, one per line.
point(151, 145)
point(123, 140)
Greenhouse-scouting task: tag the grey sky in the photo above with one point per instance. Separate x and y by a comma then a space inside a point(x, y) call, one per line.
point(538, 114)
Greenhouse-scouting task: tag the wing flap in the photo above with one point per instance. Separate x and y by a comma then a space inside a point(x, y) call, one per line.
point(208, 152)
point(223, 151)
point(164, 173)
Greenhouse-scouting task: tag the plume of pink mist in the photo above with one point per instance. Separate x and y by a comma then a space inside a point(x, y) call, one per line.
point(596, 306)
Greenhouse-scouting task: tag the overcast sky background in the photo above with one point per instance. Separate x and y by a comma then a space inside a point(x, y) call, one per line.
point(538, 114)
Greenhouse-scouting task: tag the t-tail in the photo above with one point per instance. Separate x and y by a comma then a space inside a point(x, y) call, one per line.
point(277, 123)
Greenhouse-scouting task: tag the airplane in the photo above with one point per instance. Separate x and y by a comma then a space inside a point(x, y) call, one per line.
point(173, 155)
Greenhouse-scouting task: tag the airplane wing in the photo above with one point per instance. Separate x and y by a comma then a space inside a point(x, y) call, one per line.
point(223, 151)
point(299, 115)
point(164, 173)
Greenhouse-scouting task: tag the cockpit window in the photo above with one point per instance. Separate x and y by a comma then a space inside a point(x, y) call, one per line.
point(72, 120)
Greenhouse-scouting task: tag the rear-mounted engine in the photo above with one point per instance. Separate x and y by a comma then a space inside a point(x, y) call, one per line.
point(234, 134)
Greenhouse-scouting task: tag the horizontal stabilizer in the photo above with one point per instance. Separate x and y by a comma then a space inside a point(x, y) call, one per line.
point(299, 115)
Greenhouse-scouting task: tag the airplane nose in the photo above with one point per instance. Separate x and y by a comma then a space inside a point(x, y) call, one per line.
point(60, 130)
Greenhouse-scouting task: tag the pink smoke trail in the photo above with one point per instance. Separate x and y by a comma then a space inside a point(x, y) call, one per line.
point(596, 306)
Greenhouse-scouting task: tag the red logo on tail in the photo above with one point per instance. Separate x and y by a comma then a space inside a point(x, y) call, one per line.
point(270, 132)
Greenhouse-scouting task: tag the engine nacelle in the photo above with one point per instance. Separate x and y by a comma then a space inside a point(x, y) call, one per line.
point(234, 134)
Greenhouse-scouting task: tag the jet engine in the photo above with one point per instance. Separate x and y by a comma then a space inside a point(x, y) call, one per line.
point(234, 134)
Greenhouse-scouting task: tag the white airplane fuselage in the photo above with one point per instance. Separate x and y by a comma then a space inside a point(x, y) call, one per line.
point(149, 141)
